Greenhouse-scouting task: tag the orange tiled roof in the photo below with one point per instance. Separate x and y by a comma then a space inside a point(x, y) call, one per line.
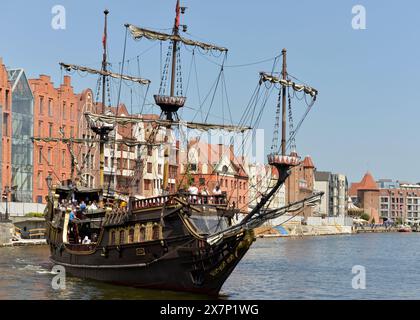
point(368, 183)
point(308, 163)
point(353, 189)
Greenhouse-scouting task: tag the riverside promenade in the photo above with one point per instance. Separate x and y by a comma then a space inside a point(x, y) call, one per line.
point(296, 229)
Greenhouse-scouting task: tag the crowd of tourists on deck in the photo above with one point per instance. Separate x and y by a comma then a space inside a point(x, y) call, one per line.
point(78, 213)
point(203, 196)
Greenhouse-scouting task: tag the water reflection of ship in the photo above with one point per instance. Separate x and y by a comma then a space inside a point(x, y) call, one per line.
point(172, 241)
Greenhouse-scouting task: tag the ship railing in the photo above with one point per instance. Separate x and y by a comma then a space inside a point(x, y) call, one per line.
point(153, 202)
point(207, 199)
point(169, 200)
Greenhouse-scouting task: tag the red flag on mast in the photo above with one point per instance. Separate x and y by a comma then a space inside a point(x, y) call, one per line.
point(178, 11)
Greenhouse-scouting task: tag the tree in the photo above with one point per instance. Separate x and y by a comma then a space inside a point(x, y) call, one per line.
point(365, 216)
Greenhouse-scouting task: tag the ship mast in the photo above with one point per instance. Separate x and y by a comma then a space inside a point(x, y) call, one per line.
point(104, 69)
point(174, 48)
point(175, 32)
point(283, 118)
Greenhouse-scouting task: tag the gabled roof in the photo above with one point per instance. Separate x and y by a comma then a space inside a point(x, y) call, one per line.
point(15, 75)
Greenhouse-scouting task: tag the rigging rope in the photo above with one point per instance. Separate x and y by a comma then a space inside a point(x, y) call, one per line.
point(116, 113)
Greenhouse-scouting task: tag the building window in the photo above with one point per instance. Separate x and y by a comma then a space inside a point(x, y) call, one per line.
point(40, 155)
point(71, 132)
point(39, 128)
point(5, 124)
point(49, 156)
point(149, 151)
point(39, 199)
point(147, 185)
point(7, 100)
point(149, 167)
point(64, 110)
point(112, 238)
point(131, 236)
point(71, 111)
point(106, 162)
point(122, 236)
point(159, 169)
point(41, 105)
point(63, 158)
point(92, 160)
point(50, 130)
point(142, 235)
point(50, 108)
point(156, 232)
point(39, 177)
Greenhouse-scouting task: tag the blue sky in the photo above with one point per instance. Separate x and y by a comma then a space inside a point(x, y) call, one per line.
point(367, 113)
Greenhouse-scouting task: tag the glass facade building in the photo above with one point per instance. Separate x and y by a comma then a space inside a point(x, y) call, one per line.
point(22, 131)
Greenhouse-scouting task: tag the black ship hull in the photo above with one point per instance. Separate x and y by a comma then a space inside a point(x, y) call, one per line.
point(185, 269)
point(160, 243)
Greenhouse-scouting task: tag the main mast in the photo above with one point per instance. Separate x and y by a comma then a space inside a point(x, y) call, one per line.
point(169, 115)
point(102, 136)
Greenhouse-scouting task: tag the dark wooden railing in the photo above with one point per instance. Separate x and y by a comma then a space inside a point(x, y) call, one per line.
point(169, 200)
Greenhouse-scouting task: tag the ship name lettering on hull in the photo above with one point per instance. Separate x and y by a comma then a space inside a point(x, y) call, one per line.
point(222, 265)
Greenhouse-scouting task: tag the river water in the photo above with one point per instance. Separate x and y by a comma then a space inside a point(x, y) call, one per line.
point(273, 269)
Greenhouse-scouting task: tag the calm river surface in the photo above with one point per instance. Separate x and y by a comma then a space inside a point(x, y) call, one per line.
point(274, 269)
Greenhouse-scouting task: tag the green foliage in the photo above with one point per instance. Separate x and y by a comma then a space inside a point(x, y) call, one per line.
point(365, 216)
point(34, 215)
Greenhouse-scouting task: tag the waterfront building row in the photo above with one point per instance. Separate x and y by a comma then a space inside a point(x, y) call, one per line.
point(37, 108)
point(387, 200)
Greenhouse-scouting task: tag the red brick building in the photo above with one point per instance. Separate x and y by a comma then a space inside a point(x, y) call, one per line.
point(366, 193)
point(6, 125)
point(393, 201)
point(212, 164)
point(55, 111)
point(300, 183)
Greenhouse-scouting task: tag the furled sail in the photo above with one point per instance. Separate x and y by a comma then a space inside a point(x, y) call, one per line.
point(69, 67)
point(297, 87)
point(112, 120)
point(139, 33)
point(89, 141)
